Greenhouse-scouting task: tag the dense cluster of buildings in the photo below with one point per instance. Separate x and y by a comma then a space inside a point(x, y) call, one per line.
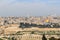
point(12, 21)
point(41, 20)
point(11, 25)
point(31, 19)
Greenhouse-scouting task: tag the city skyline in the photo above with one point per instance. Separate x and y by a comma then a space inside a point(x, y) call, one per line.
point(29, 7)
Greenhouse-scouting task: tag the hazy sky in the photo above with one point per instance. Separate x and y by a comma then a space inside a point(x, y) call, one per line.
point(29, 7)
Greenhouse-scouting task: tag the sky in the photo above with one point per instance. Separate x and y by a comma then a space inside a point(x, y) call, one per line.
point(29, 7)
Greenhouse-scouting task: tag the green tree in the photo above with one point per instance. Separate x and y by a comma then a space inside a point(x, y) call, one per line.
point(1, 39)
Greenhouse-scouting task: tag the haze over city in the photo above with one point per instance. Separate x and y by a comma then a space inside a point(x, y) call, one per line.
point(29, 7)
